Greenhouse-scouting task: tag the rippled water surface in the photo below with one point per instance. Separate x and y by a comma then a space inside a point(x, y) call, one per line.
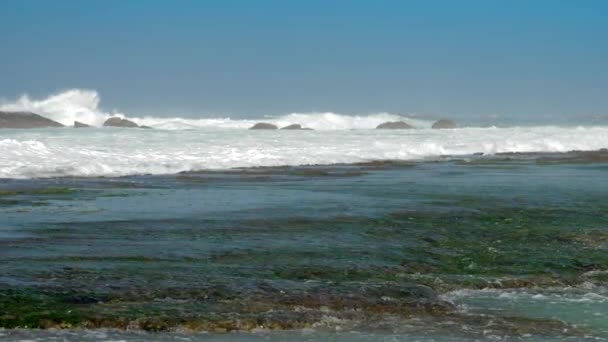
point(511, 247)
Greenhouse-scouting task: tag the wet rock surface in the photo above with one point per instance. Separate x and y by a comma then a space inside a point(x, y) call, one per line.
point(296, 127)
point(444, 124)
point(25, 120)
point(394, 125)
point(264, 125)
point(78, 124)
point(120, 122)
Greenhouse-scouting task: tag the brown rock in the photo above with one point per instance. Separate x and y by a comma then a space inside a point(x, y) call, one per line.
point(394, 125)
point(444, 124)
point(297, 127)
point(264, 125)
point(119, 122)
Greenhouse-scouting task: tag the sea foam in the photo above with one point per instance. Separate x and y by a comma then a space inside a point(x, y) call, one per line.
point(65, 108)
point(118, 152)
point(180, 144)
point(83, 105)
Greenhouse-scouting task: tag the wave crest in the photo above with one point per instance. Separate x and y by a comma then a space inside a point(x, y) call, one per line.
point(83, 105)
point(65, 108)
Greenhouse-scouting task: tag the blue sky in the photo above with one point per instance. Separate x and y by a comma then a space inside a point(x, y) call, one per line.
point(519, 59)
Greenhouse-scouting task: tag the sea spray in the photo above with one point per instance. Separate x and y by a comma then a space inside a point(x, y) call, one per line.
point(83, 105)
point(65, 108)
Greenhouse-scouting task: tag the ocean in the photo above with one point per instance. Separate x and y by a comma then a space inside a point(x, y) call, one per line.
point(204, 230)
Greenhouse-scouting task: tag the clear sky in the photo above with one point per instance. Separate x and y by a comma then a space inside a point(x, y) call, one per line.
point(466, 59)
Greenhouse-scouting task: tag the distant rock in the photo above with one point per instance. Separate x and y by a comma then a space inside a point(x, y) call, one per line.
point(25, 120)
point(145, 127)
point(297, 126)
point(264, 125)
point(78, 124)
point(394, 125)
point(444, 123)
point(119, 122)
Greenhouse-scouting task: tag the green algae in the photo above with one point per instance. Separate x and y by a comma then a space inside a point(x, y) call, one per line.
point(324, 273)
point(25, 308)
point(519, 242)
point(32, 308)
point(423, 253)
point(241, 272)
point(479, 248)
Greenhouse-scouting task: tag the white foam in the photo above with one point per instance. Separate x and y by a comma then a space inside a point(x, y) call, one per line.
point(554, 294)
point(83, 105)
point(317, 121)
point(66, 107)
point(117, 152)
point(180, 144)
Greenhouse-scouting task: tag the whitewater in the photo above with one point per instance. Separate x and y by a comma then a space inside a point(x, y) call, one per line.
point(179, 144)
point(120, 152)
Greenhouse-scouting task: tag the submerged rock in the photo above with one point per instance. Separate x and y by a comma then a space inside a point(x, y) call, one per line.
point(264, 125)
point(444, 124)
point(78, 124)
point(25, 120)
point(297, 127)
point(120, 122)
point(394, 125)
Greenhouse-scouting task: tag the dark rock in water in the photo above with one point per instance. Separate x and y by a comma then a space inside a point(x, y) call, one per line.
point(264, 125)
point(298, 127)
point(119, 122)
point(444, 123)
point(394, 125)
point(25, 120)
point(145, 127)
point(78, 124)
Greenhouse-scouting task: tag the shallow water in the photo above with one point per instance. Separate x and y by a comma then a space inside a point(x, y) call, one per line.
point(259, 336)
point(509, 247)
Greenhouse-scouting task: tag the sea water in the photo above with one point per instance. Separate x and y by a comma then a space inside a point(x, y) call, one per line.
point(225, 234)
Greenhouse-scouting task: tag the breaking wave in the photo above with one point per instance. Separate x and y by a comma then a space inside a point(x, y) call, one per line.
point(109, 152)
point(221, 143)
point(83, 105)
point(65, 108)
